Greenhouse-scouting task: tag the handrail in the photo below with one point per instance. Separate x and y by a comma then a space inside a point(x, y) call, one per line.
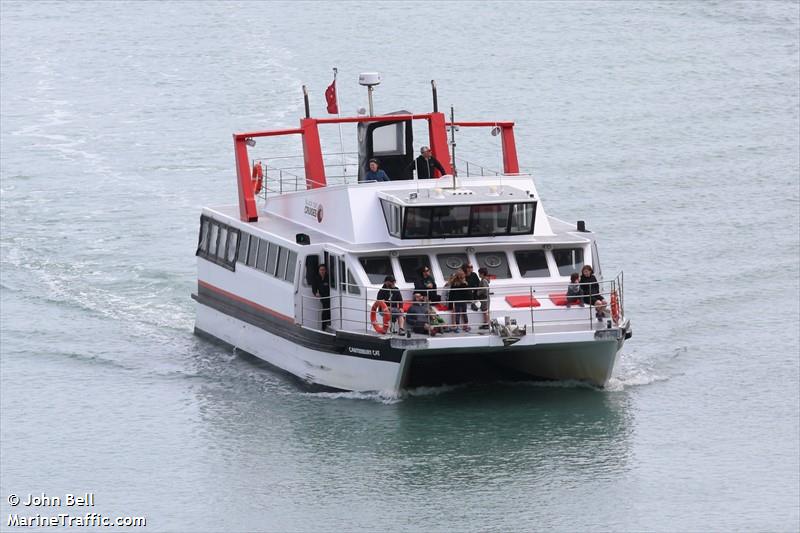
point(354, 305)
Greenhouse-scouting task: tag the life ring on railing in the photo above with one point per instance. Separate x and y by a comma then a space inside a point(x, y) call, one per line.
point(615, 307)
point(258, 177)
point(380, 307)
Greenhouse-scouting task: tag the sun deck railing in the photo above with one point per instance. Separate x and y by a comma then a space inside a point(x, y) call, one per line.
point(354, 308)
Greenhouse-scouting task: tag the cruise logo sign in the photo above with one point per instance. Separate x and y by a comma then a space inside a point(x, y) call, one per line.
point(314, 210)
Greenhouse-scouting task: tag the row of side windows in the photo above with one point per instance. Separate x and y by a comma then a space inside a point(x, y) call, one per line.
point(218, 242)
point(268, 257)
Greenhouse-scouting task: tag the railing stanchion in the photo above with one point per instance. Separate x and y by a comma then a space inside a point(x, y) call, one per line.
point(530, 305)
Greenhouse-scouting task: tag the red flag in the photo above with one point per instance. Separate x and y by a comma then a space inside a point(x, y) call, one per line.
point(330, 97)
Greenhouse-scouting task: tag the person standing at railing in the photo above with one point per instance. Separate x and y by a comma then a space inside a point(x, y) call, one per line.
point(374, 173)
point(390, 294)
point(460, 294)
point(482, 295)
point(591, 291)
point(321, 287)
point(425, 163)
point(427, 285)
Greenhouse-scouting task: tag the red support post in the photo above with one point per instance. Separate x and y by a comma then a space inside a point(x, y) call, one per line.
point(247, 201)
point(437, 133)
point(312, 154)
point(510, 163)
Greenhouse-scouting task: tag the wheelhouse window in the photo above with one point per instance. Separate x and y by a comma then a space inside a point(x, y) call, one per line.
point(393, 215)
point(568, 260)
point(450, 221)
point(418, 223)
point(495, 262)
point(532, 263)
point(521, 222)
point(454, 221)
point(411, 265)
point(449, 263)
point(376, 268)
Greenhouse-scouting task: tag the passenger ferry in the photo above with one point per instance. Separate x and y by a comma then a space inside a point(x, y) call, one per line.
point(258, 262)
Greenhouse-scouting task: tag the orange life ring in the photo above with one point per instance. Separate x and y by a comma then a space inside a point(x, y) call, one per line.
point(615, 307)
point(258, 177)
point(380, 306)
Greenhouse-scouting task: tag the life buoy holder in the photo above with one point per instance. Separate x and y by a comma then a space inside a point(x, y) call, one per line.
point(615, 307)
point(258, 177)
point(380, 307)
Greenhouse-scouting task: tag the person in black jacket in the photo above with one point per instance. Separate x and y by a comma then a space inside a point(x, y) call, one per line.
point(472, 280)
point(321, 287)
point(591, 291)
point(426, 285)
point(425, 164)
point(390, 294)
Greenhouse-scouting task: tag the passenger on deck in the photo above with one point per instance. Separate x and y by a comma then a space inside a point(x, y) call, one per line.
point(591, 291)
point(374, 173)
point(482, 295)
point(574, 291)
point(390, 294)
point(472, 279)
point(425, 164)
point(427, 285)
point(321, 287)
point(460, 294)
point(418, 316)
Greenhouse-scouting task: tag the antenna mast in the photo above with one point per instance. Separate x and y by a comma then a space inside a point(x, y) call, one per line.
point(453, 143)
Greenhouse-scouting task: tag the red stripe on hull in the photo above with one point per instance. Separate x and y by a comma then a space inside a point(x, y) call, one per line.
point(245, 301)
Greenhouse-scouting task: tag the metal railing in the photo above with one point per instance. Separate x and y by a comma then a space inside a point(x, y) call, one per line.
point(445, 311)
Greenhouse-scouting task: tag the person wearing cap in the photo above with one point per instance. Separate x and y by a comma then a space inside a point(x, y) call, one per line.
point(390, 294)
point(374, 173)
point(425, 164)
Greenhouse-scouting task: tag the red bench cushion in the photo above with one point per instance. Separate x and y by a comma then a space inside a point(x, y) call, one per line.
point(440, 307)
point(523, 301)
point(560, 298)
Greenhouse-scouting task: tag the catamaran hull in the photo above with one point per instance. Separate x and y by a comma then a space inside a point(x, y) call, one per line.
point(366, 363)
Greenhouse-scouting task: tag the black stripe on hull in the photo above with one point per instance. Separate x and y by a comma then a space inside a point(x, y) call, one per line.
point(342, 343)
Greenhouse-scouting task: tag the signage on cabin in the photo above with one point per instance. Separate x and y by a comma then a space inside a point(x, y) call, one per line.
point(364, 351)
point(314, 210)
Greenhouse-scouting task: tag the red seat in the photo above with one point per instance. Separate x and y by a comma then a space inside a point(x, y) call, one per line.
point(523, 301)
point(560, 298)
point(440, 307)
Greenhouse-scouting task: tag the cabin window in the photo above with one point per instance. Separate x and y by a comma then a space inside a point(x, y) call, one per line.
point(223, 242)
point(449, 263)
point(291, 264)
point(568, 260)
point(352, 286)
point(489, 219)
point(418, 223)
point(532, 263)
point(495, 262)
point(252, 251)
point(282, 255)
point(272, 259)
point(202, 245)
point(342, 275)
point(244, 241)
point(411, 264)
point(212, 239)
point(522, 218)
point(376, 268)
point(261, 261)
point(450, 221)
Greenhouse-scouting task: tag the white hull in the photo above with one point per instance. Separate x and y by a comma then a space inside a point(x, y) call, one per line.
point(591, 360)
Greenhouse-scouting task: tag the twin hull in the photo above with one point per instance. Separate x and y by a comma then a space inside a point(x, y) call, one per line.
point(349, 361)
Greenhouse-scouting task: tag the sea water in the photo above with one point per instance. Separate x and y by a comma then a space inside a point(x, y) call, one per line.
point(672, 128)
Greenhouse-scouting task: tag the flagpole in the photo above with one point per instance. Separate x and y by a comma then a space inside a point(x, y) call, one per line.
point(341, 143)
